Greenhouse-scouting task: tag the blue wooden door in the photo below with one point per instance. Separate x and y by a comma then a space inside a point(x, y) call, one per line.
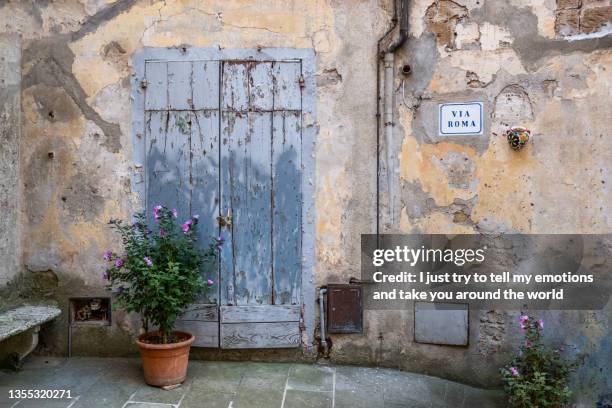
point(224, 141)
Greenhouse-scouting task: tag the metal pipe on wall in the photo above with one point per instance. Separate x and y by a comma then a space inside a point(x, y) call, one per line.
point(387, 45)
point(322, 292)
point(388, 61)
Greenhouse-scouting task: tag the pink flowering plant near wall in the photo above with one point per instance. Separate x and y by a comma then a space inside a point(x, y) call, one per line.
point(538, 375)
point(159, 271)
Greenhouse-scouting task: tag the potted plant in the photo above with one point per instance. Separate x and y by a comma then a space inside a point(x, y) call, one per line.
point(157, 275)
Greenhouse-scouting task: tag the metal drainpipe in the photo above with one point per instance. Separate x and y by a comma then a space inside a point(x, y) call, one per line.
point(322, 292)
point(388, 117)
point(387, 45)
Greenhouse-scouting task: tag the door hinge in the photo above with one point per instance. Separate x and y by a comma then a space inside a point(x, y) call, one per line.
point(143, 83)
point(301, 81)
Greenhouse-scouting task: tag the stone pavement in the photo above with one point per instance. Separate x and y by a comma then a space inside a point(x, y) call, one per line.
point(110, 383)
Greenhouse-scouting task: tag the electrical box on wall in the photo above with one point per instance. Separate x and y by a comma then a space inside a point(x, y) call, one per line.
point(344, 308)
point(90, 311)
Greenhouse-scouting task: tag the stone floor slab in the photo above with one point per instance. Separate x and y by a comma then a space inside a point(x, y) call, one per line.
point(308, 399)
point(118, 383)
point(311, 378)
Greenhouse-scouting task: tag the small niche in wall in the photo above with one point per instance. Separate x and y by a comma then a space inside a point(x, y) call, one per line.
point(90, 311)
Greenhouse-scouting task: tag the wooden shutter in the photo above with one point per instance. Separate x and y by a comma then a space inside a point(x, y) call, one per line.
point(224, 138)
point(261, 189)
point(182, 162)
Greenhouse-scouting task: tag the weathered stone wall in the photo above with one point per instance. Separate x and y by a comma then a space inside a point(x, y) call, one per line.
point(531, 63)
point(515, 58)
point(10, 110)
point(76, 145)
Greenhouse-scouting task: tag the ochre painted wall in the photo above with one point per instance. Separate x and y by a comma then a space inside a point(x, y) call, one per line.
point(515, 56)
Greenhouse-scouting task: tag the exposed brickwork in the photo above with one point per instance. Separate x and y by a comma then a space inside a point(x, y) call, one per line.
point(582, 16)
point(567, 22)
point(594, 19)
point(442, 18)
point(566, 4)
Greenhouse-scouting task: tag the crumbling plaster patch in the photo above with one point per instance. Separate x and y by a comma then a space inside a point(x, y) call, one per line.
point(544, 10)
point(174, 23)
point(485, 64)
point(503, 178)
point(493, 37)
point(90, 69)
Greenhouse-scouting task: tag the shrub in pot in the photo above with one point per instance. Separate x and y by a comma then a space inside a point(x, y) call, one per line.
point(157, 275)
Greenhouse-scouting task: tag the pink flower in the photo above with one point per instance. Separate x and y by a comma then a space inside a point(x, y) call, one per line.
point(148, 261)
point(541, 323)
point(118, 262)
point(108, 255)
point(174, 213)
point(528, 343)
point(210, 282)
point(156, 211)
point(185, 226)
point(522, 320)
point(514, 371)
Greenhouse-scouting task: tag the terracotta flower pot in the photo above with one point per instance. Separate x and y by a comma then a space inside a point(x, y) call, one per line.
point(164, 364)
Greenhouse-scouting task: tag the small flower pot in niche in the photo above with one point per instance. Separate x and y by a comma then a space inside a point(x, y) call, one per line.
point(518, 137)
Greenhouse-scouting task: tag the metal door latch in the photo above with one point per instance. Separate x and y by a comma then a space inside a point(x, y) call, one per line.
point(225, 222)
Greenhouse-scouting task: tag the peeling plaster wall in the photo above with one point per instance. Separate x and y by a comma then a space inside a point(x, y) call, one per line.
point(76, 145)
point(10, 117)
point(516, 56)
point(528, 71)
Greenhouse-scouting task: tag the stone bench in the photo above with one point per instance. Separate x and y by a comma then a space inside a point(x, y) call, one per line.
point(19, 321)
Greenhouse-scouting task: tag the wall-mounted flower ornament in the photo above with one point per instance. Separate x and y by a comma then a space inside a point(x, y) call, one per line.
point(518, 137)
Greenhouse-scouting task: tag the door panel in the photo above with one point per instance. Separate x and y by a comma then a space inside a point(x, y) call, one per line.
point(205, 186)
point(260, 314)
point(180, 95)
point(156, 96)
point(182, 163)
point(249, 186)
point(261, 87)
point(168, 150)
point(287, 88)
point(260, 335)
point(287, 207)
point(261, 188)
point(224, 142)
point(234, 128)
point(206, 333)
point(205, 89)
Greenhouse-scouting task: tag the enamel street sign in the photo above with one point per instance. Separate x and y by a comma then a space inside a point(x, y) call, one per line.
point(464, 118)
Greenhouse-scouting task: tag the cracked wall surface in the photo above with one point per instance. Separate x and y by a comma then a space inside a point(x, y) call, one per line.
point(76, 159)
point(512, 56)
point(10, 117)
point(515, 56)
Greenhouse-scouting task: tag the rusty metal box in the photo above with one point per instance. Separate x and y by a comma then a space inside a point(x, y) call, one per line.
point(344, 308)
